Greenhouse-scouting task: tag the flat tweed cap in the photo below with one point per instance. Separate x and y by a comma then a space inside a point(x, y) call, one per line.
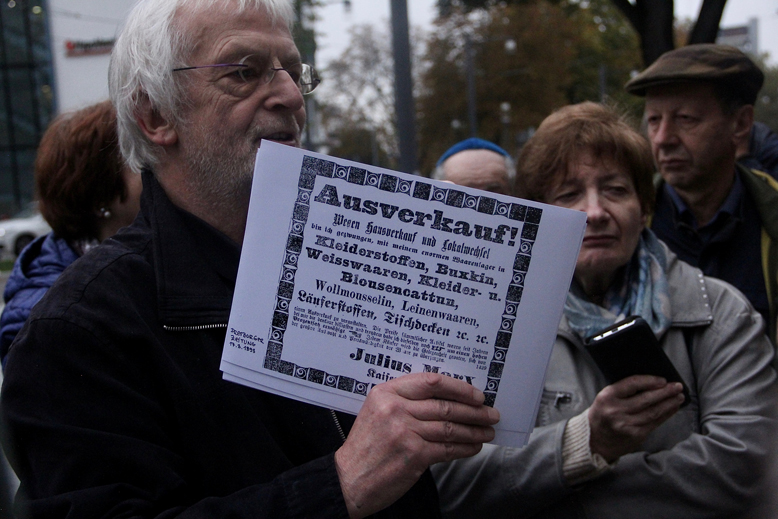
point(708, 62)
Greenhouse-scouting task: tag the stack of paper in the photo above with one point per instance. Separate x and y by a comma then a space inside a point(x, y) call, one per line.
point(352, 275)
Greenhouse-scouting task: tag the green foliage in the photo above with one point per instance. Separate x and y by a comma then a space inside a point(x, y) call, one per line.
point(559, 52)
point(445, 7)
point(608, 51)
point(556, 57)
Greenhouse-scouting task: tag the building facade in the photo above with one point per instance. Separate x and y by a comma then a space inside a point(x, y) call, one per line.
point(53, 58)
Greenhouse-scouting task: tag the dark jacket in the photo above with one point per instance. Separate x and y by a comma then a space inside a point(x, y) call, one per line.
point(35, 270)
point(757, 226)
point(763, 150)
point(115, 404)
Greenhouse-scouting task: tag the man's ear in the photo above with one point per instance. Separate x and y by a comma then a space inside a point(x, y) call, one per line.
point(743, 121)
point(157, 128)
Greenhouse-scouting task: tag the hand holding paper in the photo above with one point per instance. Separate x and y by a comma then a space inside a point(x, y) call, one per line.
point(404, 426)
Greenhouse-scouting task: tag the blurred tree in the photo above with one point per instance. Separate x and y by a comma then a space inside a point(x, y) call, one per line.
point(529, 59)
point(356, 98)
point(607, 53)
point(356, 141)
point(304, 36)
point(520, 59)
point(652, 19)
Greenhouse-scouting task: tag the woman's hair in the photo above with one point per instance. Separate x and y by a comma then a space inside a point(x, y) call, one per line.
point(153, 42)
point(584, 128)
point(78, 170)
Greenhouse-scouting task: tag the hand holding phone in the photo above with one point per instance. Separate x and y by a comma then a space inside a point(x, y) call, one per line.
point(630, 348)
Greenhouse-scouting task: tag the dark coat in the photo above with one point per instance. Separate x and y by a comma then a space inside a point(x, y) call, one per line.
point(116, 406)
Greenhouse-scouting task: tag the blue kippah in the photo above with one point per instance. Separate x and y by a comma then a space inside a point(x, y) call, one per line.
point(472, 143)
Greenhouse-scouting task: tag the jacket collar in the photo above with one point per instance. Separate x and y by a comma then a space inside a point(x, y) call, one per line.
point(195, 265)
point(763, 189)
point(689, 303)
point(689, 297)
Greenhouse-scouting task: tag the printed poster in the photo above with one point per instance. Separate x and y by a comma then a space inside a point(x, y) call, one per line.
point(352, 275)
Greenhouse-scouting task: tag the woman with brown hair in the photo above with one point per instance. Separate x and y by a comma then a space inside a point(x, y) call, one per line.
point(86, 194)
point(629, 449)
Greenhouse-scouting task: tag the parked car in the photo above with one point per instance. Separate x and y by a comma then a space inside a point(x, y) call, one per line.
point(19, 230)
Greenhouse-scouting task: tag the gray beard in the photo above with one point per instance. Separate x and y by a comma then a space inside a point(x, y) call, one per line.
point(219, 171)
point(217, 174)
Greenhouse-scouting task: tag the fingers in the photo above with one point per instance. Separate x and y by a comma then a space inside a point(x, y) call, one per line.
point(404, 426)
point(452, 432)
point(624, 414)
point(420, 386)
point(636, 394)
point(429, 397)
point(656, 414)
point(636, 384)
point(440, 452)
point(447, 410)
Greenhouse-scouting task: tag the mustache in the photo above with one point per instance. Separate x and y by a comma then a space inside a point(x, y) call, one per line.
point(285, 124)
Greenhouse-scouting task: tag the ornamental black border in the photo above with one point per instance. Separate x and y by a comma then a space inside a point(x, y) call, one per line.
point(313, 167)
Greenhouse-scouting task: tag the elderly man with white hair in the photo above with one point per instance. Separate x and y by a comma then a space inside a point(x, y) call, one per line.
point(113, 398)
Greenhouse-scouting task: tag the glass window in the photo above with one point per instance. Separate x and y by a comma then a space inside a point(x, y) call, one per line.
point(26, 96)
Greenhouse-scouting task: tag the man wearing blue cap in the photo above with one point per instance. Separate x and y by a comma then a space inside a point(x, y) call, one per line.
point(478, 164)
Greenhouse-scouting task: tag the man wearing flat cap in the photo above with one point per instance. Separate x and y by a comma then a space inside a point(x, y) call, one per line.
point(713, 213)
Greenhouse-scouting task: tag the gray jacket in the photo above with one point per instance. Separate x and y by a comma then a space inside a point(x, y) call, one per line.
point(708, 460)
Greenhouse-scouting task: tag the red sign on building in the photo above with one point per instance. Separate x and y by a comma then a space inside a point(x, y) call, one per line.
point(88, 48)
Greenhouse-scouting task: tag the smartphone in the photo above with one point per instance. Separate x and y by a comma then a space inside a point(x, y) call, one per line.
point(628, 348)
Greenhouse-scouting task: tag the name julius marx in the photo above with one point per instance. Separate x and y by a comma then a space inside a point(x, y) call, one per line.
point(398, 367)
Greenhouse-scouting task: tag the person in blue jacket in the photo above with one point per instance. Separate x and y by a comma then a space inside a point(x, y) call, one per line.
point(86, 194)
point(759, 150)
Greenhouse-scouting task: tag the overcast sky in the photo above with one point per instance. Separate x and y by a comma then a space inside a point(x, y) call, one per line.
point(333, 27)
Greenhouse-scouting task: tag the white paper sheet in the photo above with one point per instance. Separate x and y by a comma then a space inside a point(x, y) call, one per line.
point(352, 275)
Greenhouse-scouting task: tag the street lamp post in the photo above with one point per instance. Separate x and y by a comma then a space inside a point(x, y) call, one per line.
point(306, 42)
point(470, 71)
point(405, 109)
point(472, 116)
point(505, 119)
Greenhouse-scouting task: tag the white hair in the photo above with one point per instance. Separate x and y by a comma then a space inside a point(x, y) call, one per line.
point(439, 173)
point(149, 47)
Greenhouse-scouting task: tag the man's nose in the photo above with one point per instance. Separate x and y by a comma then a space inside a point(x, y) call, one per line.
point(284, 92)
point(664, 133)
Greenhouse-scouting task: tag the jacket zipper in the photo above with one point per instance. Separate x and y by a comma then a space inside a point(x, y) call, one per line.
point(197, 328)
point(337, 424)
point(214, 326)
point(562, 398)
point(557, 398)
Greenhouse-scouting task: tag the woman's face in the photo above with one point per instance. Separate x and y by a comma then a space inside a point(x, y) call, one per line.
point(605, 191)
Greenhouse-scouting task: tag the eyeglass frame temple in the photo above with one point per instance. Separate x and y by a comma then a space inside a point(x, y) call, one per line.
point(315, 81)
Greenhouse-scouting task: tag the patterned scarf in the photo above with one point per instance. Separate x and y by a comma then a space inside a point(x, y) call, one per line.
point(641, 291)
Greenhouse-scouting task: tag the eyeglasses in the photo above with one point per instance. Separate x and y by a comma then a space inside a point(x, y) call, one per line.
point(252, 71)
